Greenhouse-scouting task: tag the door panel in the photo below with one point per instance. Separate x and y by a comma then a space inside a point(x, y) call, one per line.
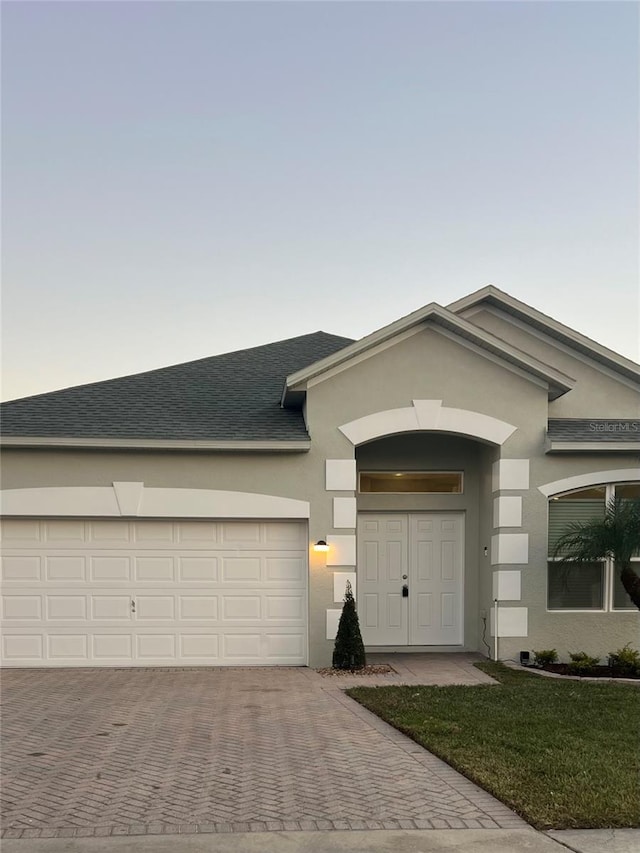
point(382, 561)
point(436, 571)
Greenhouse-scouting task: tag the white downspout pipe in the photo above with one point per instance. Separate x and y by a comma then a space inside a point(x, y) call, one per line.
point(495, 629)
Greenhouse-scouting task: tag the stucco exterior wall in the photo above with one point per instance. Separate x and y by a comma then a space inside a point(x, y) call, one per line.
point(597, 394)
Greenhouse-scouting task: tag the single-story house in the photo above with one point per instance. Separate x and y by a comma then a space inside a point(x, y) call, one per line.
point(172, 518)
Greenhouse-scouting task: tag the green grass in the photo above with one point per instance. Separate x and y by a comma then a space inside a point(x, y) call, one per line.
point(563, 754)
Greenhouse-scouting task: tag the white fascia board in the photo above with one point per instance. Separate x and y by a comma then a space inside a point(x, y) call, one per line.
point(492, 295)
point(157, 444)
point(592, 446)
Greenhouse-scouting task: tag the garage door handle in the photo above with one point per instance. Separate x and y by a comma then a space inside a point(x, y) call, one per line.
point(405, 590)
point(133, 605)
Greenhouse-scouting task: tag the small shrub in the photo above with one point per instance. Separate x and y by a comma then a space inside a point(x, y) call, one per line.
point(582, 663)
point(625, 661)
point(544, 657)
point(348, 652)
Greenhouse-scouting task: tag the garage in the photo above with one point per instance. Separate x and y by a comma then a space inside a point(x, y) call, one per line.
point(167, 592)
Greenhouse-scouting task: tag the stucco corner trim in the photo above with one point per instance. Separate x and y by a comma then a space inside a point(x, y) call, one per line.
point(593, 478)
point(427, 415)
point(133, 499)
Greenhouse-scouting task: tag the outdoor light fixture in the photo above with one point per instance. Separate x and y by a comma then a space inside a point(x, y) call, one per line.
point(321, 545)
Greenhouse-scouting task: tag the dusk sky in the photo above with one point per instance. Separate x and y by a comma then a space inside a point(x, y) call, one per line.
point(182, 179)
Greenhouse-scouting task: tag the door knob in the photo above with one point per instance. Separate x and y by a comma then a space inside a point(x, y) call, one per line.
point(405, 591)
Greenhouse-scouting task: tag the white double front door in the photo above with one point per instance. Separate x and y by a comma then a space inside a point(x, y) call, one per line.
point(410, 578)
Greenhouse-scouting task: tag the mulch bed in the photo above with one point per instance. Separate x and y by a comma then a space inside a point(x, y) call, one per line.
point(377, 669)
point(594, 672)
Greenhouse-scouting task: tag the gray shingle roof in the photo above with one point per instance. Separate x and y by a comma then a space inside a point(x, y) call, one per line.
point(230, 397)
point(594, 429)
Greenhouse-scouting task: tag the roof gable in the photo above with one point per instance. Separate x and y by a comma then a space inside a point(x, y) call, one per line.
point(442, 319)
point(494, 297)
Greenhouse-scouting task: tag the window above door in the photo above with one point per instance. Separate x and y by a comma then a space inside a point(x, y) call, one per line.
point(411, 482)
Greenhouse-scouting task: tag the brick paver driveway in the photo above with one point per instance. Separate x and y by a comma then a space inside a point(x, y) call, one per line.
point(100, 752)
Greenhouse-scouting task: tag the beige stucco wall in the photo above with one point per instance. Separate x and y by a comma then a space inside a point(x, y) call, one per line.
point(597, 393)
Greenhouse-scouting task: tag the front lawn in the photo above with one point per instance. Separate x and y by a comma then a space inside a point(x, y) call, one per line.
point(563, 754)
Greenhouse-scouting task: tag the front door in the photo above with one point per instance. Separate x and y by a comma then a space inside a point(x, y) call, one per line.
point(410, 578)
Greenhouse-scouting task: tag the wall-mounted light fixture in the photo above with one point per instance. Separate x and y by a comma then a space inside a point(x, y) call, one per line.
point(321, 545)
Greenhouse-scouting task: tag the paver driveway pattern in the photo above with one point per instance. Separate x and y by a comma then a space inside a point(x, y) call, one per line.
point(113, 752)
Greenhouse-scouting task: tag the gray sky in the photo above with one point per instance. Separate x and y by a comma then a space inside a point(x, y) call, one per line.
point(188, 178)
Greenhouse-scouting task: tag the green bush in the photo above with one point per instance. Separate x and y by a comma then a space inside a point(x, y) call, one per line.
point(625, 661)
point(582, 663)
point(545, 656)
point(348, 652)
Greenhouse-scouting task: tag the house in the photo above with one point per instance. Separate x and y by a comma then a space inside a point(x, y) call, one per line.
point(172, 517)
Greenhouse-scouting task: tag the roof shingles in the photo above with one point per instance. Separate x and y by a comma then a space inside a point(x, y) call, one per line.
point(230, 397)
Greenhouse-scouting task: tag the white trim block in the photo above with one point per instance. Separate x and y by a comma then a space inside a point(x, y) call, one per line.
point(333, 618)
point(509, 548)
point(129, 496)
point(342, 550)
point(507, 512)
point(106, 501)
point(594, 478)
point(507, 585)
point(427, 415)
point(510, 474)
point(340, 584)
point(341, 475)
point(344, 512)
point(512, 622)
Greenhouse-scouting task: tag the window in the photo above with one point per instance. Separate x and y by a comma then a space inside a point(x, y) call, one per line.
point(411, 482)
point(589, 586)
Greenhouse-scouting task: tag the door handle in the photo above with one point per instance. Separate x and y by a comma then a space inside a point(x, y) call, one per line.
point(133, 605)
point(405, 590)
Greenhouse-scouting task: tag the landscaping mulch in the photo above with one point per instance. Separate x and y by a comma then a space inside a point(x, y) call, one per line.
point(374, 669)
point(593, 672)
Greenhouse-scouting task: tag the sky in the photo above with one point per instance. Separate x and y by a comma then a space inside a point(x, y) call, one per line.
point(181, 179)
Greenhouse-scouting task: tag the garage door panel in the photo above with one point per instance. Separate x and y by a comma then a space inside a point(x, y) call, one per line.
point(112, 647)
point(199, 647)
point(241, 569)
point(23, 649)
point(65, 568)
point(68, 608)
point(111, 608)
point(104, 569)
point(22, 608)
point(154, 568)
point(202, 569)
point(109, 533)
point(21, 569)
point(198, 607)
point(127, 593)
point(155, 608)
point(68, 647)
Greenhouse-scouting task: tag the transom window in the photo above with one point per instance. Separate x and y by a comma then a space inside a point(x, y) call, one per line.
point(585, 586)
point(411, 482)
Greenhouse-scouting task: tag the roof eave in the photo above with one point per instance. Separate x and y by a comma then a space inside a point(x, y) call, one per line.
point(194, 445)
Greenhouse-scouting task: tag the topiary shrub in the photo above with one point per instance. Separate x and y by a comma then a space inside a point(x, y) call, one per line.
point(582, 663)
point(545, 657)
point(348, 652)
point(625, 662)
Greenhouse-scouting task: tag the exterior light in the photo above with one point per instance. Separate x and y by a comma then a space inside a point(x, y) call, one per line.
point(321, 545)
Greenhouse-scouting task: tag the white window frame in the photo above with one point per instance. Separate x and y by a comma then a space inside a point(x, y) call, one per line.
point(609, 568)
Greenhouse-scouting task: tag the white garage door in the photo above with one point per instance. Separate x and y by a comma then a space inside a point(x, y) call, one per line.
point(153, 593)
